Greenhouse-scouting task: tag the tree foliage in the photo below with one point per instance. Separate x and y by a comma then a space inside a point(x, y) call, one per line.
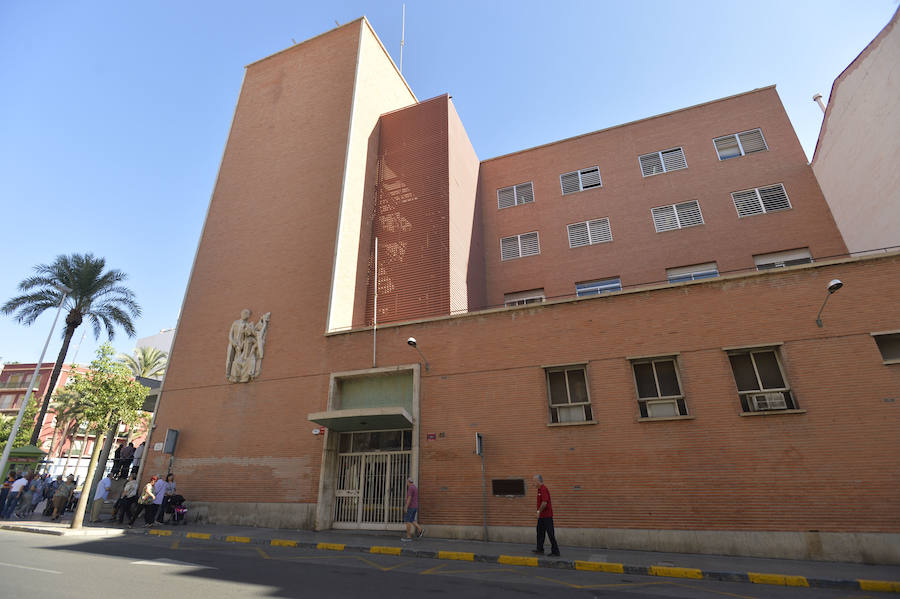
point(147, 362)
point(23, 435)
point(108, 392)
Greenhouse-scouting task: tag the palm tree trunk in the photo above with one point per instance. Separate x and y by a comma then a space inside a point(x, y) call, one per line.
point(54, 376)
point(78, 518)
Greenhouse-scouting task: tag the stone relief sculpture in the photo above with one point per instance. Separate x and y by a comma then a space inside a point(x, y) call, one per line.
point(246, 342)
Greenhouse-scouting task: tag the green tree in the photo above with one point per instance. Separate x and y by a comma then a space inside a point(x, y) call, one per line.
point(97, 295)
point(24, 433)
point(147, 362)
point(110, 395)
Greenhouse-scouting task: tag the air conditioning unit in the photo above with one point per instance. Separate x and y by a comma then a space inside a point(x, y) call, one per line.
point(662, 409)
point(768, 401)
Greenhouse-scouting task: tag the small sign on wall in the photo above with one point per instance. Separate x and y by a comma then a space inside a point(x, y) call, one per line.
point(157, 446)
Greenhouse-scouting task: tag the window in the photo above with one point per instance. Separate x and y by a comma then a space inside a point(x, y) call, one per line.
point(662, 162)
point(567, 392)
point(782, 259)
point(740, 144)
point(8, 401)
point(598, 287)
point(391, 440)
point(677, 216)
point(589, 232)
point(761, 200)
point(760, 380)
point(532, 296)
point(586, 178)
point(692, 273)
point(523, 193)
point(508, 487)
point(889, 346)
point(658, 388)
point(519, 246)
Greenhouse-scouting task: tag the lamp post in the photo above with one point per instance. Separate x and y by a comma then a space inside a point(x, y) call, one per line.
point(833, 286)
point(15, 429)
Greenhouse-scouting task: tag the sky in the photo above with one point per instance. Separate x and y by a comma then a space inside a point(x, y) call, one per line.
point(114, 115)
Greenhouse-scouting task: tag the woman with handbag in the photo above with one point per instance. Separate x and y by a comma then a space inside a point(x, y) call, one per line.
point(145, 504)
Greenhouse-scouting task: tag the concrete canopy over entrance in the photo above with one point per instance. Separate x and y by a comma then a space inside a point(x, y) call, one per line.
point(363, 419)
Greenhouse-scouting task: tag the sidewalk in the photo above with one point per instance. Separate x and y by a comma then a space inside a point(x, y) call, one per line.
point(646, 563)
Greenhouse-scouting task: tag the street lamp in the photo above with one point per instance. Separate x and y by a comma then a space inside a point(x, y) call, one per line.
point(37, 367)
point(412, 343)
point(833, 286)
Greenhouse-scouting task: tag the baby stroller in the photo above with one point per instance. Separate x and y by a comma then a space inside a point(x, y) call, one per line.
point(179, 511)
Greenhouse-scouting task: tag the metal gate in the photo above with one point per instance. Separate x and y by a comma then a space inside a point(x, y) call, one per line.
point(371, 489)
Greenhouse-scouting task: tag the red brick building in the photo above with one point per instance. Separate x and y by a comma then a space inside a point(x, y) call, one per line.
point(631, 313)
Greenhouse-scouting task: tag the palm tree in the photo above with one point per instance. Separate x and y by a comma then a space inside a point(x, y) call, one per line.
point(97, 295)
point(147, 362)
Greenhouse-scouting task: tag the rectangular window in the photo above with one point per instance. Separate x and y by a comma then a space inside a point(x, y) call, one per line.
point(586, 178)
point(508, 487)
point(519, 246)
point(662, 162)
point(677, 216)
point(523, 193)
point(782, 259)
point(658, 388)
point(694, 272)
point(760, 379)
point(7, 401)
point(761, 200)
point(589, 232)
point(520, 298)
point(598, 287)
point(740, 144)
point(889, 346)
point(567, 392)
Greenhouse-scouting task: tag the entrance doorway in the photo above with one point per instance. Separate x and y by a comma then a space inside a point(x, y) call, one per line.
point(372, 469)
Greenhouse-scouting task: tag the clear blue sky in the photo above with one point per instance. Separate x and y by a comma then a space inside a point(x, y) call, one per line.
point(114, 115)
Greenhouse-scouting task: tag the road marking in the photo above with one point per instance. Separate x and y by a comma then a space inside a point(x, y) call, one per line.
point(779, 579)
point(434, 569)
point(515, 560)
point(282, 543)
point(600, 567)
point(385, 550)
point(600, 586)
point(161, 533)
point(262, 553)
point(331, 546)
point(888, 586)
point(29, 568)
point(380, 567)
point(675, 572)
point(231, 539)
point(457, 555)
point(169, 562)
point(198, 535)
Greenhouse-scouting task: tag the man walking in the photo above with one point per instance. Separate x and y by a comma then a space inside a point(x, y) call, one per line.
point(544, 518)
point(412, 509)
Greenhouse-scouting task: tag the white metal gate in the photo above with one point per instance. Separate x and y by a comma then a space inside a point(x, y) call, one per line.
point(371, 489)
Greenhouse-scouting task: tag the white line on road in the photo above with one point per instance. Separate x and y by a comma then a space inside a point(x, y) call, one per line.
point(29, 568)
point(169, 562)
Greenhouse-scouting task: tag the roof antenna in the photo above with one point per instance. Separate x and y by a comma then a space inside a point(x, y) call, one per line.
point(402, 38)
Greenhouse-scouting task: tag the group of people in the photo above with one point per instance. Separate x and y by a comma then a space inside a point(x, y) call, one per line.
point(153, 501)
point(123, 457)
point(23, 492)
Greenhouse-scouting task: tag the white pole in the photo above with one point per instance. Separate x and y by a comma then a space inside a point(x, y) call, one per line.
point(37, 368)
point(375, 309)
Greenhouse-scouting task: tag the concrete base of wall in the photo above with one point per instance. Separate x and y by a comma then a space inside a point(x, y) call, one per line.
point(265, 515)
point(868, 548)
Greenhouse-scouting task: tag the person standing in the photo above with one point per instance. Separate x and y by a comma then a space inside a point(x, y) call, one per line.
point(127, 456)
point(159, 494)
point(145, 504)
point(117, 460)
point(62, 496)
point(138, 454)
point(4, 492)
point(412, 510)
point(167, 498)
point(127, 500)
point(544, 518)
point(12, 499)
point(100, 495)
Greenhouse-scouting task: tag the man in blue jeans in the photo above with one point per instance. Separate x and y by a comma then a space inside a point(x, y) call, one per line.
point(13, 498)
point(412, 509)
point(544, 518)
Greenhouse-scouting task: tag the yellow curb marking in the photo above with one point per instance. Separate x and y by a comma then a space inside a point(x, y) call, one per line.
point(331, 546)
point(457, 555)
point(262, 553)
point(161, 533)
point(198, 535)
point(230, 539)
point(779, 579)
point(888, 586)
point(600, 567)
point(385, 550)
point(675, 572)
point(514, 560)
point(282, 543)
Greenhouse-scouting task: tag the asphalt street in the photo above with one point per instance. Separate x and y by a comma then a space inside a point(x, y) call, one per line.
point(34, 565)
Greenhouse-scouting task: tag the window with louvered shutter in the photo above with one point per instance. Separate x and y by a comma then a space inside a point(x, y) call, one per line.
point(673, 160)
point(578, 235)
point(664, 218)
point(782, 259)
point(599, 230)
point(586, 178)
point(771, 198)
point(509, 248)
point(529, 244)
point(507, 197)
point(651, 164)
point(752, 141)
point(590, 177)
point(692, 273)
point(688, 214)
point(570, 183)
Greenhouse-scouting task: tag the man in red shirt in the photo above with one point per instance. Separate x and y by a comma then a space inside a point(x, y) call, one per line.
point(544, 518)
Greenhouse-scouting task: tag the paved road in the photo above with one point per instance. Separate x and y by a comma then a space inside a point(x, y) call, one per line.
point(37, 566)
